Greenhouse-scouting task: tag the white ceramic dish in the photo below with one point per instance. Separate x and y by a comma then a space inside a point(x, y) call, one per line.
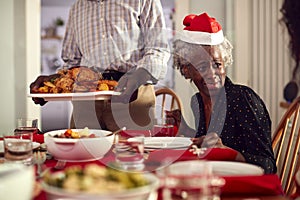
point(99, 95)
point(34, 146)
point(17, 181)
point(221, 168)
point(78, 150)
point(235, 168)
point(167, 142)
point(141, 193)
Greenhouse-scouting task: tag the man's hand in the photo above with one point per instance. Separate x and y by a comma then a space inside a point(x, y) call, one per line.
point(129, 83)
point(34, 87)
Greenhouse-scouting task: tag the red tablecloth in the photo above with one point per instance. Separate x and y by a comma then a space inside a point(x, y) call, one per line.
point(247, 186)
point(234, 185)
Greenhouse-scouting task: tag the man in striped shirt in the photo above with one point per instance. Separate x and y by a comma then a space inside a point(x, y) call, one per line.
point(124, 39)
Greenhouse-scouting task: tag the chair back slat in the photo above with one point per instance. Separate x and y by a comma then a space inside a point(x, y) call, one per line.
point(163, 103)
point(285, 143)
point(167, 99)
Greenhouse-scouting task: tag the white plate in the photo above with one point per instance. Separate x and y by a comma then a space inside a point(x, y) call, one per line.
point(34, 146)
point(167, 142)
point(222, 168)
point(99, 95)
point(225, 168)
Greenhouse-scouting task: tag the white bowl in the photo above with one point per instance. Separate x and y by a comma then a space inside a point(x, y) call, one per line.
point(78, 150)
point(140, 193)
point(17, 181)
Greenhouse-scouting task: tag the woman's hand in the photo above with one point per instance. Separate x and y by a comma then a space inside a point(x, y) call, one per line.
point(212, 140)
point(209, 141)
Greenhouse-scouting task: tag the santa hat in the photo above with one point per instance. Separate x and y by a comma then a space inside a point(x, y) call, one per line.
point(202, 29)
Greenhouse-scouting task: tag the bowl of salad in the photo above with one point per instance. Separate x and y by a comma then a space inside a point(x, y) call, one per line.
point(75, 145)
point(94, 181)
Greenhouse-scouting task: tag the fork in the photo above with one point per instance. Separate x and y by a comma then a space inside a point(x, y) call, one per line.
point(39, 159)
point(60, 164)
point(198, 151)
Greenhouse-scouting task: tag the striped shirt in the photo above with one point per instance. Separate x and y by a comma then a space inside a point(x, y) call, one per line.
point(117, 35)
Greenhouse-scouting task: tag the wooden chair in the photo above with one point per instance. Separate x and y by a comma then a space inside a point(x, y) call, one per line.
point(285, 144)
point(166, 99)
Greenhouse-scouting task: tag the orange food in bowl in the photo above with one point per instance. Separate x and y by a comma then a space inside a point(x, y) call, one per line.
point(87, 148)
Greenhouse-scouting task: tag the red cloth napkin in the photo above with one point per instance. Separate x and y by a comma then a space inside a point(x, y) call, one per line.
point(133, 133)
point(252, 185)
point(172, 154)
point(220, 154)
point(38, 137)
point(248, 186)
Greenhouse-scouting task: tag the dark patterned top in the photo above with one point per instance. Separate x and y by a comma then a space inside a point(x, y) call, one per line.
point(242, 121)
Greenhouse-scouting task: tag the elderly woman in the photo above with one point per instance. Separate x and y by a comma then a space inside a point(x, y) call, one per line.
point(227, 115)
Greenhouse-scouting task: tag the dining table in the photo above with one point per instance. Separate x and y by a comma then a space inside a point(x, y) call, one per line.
point(236, 187)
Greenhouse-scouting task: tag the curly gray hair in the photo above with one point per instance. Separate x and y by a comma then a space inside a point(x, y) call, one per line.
point(182, 51)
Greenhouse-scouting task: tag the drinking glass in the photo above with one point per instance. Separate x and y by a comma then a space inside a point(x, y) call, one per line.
point(192, 181)
point(18, 147)
point(130, 153)
point(26, 125)
point(163, 129)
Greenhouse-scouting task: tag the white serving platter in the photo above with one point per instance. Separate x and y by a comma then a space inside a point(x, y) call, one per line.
point(98, 95)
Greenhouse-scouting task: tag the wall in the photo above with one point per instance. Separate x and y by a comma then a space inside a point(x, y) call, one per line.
point(7, 85)
point(262, 57)
point(19, 61)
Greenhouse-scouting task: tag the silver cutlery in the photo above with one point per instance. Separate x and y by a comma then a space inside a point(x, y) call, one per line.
point(198, 151)
point(39, 159)
point(116, 132)
point(60, 165)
